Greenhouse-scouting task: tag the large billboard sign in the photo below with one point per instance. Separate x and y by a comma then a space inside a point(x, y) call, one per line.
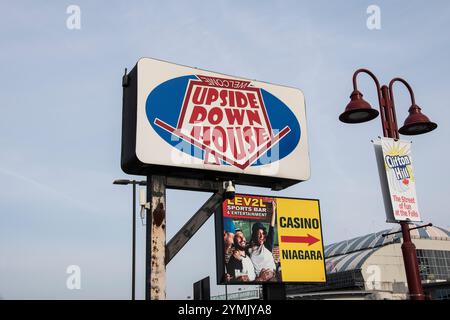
point(264, 239)
point(398, 182)
point(184, 121)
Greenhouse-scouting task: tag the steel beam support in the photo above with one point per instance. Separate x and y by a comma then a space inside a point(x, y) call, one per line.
point(193, 225)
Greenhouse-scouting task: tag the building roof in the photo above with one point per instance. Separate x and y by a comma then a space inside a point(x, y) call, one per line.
point(351, 254)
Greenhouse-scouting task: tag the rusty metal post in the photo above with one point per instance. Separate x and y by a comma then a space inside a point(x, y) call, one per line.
point(155, 280)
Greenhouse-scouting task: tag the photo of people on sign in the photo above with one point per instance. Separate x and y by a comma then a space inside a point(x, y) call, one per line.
point(266, 239)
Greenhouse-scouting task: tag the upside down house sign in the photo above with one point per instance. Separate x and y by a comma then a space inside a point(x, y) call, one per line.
point(183, 121)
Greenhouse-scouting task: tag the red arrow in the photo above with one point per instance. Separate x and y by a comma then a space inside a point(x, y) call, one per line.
point(293, 239)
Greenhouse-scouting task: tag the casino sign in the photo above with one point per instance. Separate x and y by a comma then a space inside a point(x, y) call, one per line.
point(187, 122)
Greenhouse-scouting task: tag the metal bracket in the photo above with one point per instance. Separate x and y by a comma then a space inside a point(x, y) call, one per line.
point(419, 227)
point(192, 184)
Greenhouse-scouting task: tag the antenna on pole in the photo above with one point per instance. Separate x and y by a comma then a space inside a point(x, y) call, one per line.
point(125, 79)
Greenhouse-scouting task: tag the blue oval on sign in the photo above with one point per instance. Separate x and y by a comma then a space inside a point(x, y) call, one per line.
point(225, 121)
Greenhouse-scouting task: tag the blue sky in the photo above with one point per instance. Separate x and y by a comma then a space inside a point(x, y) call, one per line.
point(60, 123)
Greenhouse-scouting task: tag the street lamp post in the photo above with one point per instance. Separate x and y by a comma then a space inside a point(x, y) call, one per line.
point(357, 111)
point(133, 259)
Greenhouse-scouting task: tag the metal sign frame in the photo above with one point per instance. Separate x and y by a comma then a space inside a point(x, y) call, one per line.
point(293, 101)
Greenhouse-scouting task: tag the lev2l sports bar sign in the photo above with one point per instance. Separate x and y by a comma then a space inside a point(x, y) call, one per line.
point(183, 121)
point(264, 239)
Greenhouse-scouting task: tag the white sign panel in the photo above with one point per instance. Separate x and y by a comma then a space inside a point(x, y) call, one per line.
point(397, 179)
point(180, 120)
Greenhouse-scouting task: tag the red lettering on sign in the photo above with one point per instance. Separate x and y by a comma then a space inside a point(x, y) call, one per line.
point(219, 139)
point(227, 119)
point(195, 96)
point(241, 100)
point(252, 100)
point(235, 116)
point(212, 96)
point(198, 115)
point(215, 116)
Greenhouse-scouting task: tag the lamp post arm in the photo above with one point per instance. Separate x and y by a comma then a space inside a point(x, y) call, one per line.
point(377, 83)
point(411, 93)
point(382, 98)
point(392, 102)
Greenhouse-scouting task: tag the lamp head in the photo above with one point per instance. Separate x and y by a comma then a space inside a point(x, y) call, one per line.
point(416, 122)
point(358, 110)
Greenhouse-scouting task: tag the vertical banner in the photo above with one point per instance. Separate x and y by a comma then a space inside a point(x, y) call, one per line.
point(384, 182)
point(270, 239)
point(397, 167)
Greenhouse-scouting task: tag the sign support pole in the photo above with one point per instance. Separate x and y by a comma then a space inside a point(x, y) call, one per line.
point(202, 289)
point(155, 267)
point(158, 254)
point(274, 291)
